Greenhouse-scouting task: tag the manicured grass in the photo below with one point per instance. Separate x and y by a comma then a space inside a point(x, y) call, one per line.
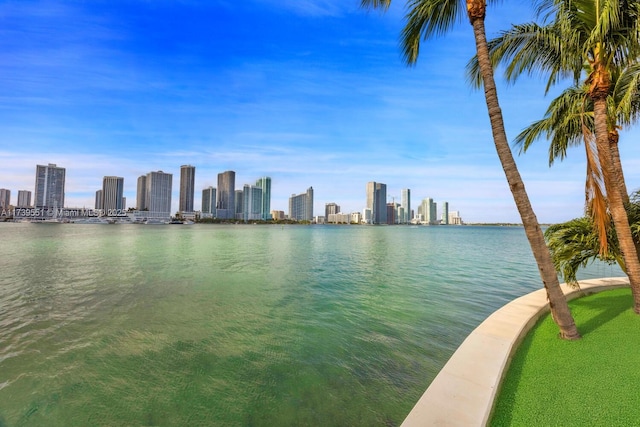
point(591, 382)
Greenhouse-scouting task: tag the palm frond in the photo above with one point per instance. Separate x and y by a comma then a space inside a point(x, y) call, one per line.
point(426, 19)
point(375, 4)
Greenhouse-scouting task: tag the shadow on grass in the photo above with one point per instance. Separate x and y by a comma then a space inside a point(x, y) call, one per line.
point(590, 314)
point(609, 307)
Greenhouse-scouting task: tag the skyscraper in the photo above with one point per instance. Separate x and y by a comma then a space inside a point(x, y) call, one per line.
point(405, 202)
point(141, 194)
point(99, 200)
point(265, 184)
point(377, 202)
point(239, 204)
point(24, 198)
point(112, 189)
point(5, 198)
point(301, 206)
point(330, 209)
point(225, 197)
point(428, 211)
point(209, 201)
point(187, 187)
point(49, 186)
point(158, 194)
point(445, 213)
point(251, 202)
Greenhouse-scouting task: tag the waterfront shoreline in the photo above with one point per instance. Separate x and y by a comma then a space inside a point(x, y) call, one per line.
point(464, 391)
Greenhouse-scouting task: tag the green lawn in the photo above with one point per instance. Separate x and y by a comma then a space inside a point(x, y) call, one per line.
point(594, 381)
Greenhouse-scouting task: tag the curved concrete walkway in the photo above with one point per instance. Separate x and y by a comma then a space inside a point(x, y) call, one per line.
point(462, 394)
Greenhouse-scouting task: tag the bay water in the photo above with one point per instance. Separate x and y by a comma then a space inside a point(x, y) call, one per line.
point(242, 325)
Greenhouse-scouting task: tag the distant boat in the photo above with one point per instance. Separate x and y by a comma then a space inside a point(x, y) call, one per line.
point(155, 221)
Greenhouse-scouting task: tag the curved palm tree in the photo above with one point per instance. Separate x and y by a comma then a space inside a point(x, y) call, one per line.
point(427, 18)
point(574, 243)
point(569, 121)
point(603, 38)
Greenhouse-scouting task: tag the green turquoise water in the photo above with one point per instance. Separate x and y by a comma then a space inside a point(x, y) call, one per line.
point(211, 325)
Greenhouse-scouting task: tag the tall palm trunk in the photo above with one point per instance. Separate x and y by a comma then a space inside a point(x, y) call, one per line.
point(600, 83)
point(619, 180)
point(557, 301)
point(616, 164)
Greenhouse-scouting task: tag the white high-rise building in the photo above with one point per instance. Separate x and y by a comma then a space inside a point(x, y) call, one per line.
point(5, 198)
point(112, 198)
point(49, 186)
point(428, 211)
point(158, 194)
point(301, 206)
point(405, 202)
point(24, 198)
point(265, 184)
point(251, 202)
point(209, 201)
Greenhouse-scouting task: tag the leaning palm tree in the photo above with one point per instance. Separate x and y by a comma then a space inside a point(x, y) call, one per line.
point(427, 18)
point(575, 244)
point(568, 122)
point(604, 38)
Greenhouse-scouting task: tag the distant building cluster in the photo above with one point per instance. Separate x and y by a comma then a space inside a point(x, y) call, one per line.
point(224, 202)
point(153, 197)
point(381, 208)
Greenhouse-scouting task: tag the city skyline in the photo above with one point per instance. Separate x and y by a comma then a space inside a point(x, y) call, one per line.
point(310, 93)
point(251, 202)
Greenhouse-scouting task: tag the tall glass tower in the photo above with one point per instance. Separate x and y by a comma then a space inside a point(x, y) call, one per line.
point(49, 186)
point(141, 195)
point(187, 184)
point(265, 210)
point(445, 213)
point(226, 194)
point(377, 202)
point(251, 202)
point(209, 201)
point(405, 202)
point(112, 189)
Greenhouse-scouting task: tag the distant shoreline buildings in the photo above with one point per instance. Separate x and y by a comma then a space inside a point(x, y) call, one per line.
point(223, 203)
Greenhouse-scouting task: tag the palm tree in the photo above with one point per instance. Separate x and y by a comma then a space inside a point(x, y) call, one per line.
point(427, 18)
point(602, 38)
point(569, 121)
point(574, 243)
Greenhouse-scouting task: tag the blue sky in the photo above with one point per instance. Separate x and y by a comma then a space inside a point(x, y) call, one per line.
point(308, 92)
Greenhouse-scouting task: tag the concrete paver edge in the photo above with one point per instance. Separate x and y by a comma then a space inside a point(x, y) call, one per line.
point(453, 399)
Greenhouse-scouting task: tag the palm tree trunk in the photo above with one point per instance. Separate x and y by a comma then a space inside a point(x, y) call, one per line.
point(619, 180)
point(557, 301)
point(616, 203)
point(616, 164)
